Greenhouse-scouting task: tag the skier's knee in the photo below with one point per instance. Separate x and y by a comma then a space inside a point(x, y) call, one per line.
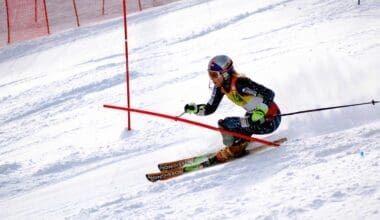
point(228, 140)
point(220, 123)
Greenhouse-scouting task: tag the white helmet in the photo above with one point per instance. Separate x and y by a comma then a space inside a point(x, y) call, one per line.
point(221, 64)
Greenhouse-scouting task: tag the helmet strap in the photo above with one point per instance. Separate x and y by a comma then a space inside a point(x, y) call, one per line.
point(226, 75)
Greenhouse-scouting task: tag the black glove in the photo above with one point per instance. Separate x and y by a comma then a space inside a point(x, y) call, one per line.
point(191, 108)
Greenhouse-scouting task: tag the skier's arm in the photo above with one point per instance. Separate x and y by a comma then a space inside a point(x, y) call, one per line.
point(206, 109)
point(213, 103)
point(248, 87)
point(264, 98)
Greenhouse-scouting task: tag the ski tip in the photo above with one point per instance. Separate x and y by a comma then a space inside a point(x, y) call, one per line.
point(172, 165)
point(162, 167)
point(151, 178)
point(277, 143)
point(169, 166)
point(281, 140)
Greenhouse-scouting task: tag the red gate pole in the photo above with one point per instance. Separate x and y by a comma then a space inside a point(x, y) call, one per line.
point(8, 22)
point(177, 118)
point(103, 3)
point(35, 11)
point(76, 12)
point(46, 18)
point(140, 6)
point(126, 61)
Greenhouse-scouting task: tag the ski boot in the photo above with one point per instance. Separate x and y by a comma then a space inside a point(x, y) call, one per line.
point(227, 153)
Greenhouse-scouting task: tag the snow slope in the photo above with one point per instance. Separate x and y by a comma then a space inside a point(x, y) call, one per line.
point(64, 156)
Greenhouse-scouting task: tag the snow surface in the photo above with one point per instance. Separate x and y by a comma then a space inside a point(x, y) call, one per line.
point(64, 156)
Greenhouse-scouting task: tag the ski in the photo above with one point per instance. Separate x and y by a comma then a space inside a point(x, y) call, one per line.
point(198, 159)
point(180, 163)
point(180, 167)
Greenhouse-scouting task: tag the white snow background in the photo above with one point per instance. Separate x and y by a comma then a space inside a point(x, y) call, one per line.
point(64, 156)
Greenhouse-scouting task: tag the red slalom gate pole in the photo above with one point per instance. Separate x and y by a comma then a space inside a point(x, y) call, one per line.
point(125, 13)
point(176, 118)
point(140, 6)
point(76, 12)
point(8, 22)
point(103, 3)
point(35, 11)
point(46, 18)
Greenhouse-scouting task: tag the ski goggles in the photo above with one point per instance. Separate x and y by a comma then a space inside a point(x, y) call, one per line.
point(214, 74)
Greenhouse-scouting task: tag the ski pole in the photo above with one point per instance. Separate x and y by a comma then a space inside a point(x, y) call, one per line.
point(373, 102)
point(180, 115)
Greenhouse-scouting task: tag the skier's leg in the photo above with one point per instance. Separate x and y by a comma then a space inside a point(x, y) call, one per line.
point(235, 147)
point(265, 128)
point(234, 124)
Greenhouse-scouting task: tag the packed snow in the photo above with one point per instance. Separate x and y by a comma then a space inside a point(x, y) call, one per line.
point(64, 156)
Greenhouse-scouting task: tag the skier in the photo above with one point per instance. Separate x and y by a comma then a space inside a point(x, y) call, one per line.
point(262, 114)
